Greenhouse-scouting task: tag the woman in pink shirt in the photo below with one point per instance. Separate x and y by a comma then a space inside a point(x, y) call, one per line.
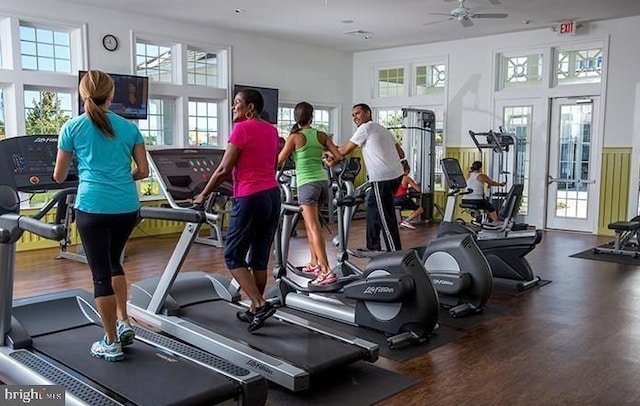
point(250, 159)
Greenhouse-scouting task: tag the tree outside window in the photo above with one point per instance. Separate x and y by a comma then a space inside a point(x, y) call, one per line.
point(46, 114)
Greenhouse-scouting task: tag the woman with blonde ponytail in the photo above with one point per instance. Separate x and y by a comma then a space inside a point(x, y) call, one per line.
point(107, 203)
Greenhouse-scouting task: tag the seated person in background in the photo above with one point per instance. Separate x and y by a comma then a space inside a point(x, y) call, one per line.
point(404, 201)
point(475, 182)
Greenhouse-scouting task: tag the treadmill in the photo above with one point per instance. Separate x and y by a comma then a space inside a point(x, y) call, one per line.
point(200, 308)
point(45, 339)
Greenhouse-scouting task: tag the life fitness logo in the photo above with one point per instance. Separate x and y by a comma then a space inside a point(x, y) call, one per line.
point(376, 290)
point(41, 140)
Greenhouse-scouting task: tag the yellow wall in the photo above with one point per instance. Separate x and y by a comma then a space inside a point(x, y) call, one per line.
point(614, 187)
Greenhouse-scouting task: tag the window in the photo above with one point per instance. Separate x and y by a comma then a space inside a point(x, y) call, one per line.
point(203, 123)
point(521, 70)
point(154, 61)
point(45, 49)
point(2, 121)
point(518, 120)
point(286, 119)
point(579, 66)
point(393, 120)
point(438, 177)
point(429, 79)
point(46, 111)
point(390, 82)
point(202, 68)
point(157, 129)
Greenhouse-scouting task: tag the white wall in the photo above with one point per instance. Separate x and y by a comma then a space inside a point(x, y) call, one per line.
point(301, 72)
point(470, 79)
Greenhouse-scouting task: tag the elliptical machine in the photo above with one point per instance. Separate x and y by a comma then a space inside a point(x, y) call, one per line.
point(459, 272)
point(457, 268)
point(393, 294)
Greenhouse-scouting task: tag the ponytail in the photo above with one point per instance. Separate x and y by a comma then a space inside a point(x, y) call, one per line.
point(96, 89)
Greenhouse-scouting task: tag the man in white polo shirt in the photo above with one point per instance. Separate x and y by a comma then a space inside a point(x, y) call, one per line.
point(382, 155)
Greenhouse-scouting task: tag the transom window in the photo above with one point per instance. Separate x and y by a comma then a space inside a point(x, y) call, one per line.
point(157, 129)
point(46, 110)
point(154, 61)
point(579, 66)
point(45, 49)
point(429, 79)
point(202, 68)
point(390, 82)
point(520, 71)
point(203, 123)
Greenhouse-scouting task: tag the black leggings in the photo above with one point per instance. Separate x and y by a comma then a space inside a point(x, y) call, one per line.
point(103, 238)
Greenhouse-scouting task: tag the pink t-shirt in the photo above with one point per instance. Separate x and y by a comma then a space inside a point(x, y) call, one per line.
point(255, 169)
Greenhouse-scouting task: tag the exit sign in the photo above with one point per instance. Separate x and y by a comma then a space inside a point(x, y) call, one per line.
point(567, 28)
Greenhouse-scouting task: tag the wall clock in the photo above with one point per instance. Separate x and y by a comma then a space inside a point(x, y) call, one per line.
point(110, 42)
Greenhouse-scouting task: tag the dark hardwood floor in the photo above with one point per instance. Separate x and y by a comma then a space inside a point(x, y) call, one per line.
point(575, 341)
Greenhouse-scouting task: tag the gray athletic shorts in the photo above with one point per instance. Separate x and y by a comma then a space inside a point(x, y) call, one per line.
point(314, 193)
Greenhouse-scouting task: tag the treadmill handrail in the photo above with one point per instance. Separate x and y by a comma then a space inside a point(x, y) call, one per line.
point(186, 215)
point(49, 231)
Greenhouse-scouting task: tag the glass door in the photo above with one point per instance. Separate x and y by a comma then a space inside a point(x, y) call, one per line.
point(572, 195)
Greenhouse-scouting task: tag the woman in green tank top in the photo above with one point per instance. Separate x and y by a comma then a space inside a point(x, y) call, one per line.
point(308, 146)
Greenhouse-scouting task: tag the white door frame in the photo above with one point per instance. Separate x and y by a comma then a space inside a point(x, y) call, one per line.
point(590, 224)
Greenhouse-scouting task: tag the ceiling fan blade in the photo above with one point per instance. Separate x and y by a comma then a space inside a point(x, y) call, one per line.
point(437, 22)
point(466, 22)
point(494, 1)
point(440, 14)
point(490, 15)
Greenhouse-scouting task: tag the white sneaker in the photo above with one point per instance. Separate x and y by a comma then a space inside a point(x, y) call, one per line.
point(110, 352)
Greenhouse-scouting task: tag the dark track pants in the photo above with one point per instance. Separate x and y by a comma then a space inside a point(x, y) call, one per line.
point(381, 216)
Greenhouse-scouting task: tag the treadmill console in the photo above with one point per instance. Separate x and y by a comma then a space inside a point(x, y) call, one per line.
point(28, 163)
point(185, 171)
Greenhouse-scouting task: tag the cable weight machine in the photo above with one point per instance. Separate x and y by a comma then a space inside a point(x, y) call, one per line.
point(418, 142)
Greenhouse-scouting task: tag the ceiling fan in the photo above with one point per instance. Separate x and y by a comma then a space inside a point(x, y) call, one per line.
point(464, 15)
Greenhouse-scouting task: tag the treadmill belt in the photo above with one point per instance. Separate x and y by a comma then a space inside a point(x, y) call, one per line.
point(310, 351)
point(147, 376)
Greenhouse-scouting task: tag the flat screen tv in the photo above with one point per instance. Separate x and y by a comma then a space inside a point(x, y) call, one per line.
point(131, 96)
point(270, 96)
